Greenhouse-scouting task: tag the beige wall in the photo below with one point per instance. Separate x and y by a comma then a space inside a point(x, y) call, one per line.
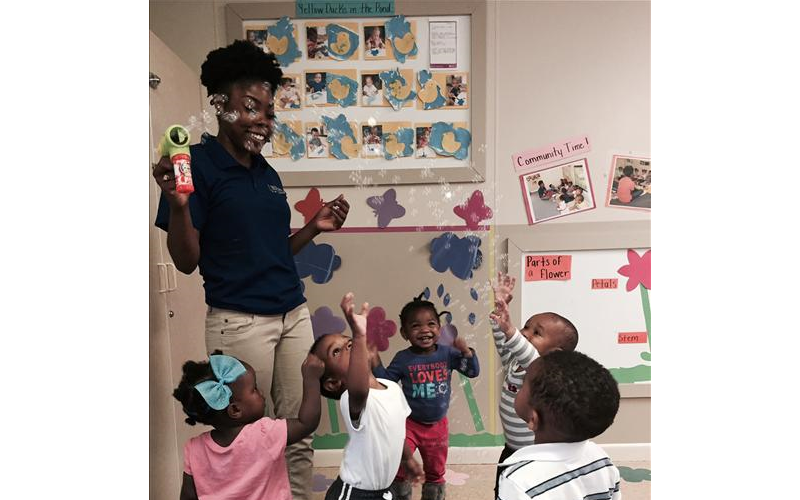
point(555, 70)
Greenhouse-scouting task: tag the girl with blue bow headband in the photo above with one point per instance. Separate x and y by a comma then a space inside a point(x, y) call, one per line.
point(245, 451)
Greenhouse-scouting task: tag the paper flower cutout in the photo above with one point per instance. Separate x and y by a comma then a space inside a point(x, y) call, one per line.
point(317, 261)
point(342, 90)
point(459, 255)
point(323, 322)
point(637, 270)
point(471, 318)
point(310, 205)
point(455, 478)
point(398, 143)
point(473, 293)
point(396, 89)
point(379, 329)
point(386, 208)
point(430, 93)
point(474, 210)
point(285, 141)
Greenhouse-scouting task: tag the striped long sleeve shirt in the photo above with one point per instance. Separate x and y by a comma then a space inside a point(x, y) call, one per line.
point(515, 355)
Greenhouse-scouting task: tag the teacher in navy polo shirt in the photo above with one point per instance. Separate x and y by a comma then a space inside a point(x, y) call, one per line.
point(235, 227)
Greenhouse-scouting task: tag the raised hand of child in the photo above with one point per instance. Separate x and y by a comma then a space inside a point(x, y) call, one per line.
point(504, 287)
point(357, 322)
point(461, 344)
point(312, 368)
point(502, 317)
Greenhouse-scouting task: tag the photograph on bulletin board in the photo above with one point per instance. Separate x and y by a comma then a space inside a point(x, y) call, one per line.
point(289, 93)
point(372, 89)
point(316, 140)
point(629, 183)
point(557, 191)
point(375, 46)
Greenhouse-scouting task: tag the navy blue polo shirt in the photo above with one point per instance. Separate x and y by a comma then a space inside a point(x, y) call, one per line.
point(243, 218)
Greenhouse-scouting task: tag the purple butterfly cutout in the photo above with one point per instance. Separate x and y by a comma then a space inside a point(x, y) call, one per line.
point(386, 207)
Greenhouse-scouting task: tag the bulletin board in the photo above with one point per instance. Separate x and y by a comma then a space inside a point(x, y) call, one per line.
point(435, 132)
point(605, 291)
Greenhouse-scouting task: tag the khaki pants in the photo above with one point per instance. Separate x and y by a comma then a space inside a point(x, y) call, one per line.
point(275, 346)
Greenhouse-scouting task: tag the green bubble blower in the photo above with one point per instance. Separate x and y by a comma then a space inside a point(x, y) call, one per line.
point(175, 145)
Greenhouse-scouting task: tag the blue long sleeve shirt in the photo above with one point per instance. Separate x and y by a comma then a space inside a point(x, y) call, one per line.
point(426, 379)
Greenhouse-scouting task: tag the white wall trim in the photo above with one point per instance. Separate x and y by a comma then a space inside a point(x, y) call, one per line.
point(628, 452)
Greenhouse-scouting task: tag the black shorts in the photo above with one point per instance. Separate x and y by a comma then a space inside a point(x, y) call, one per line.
point(342, 491)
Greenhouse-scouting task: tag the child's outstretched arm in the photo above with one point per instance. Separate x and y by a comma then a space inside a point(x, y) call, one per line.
point(308, 417)
point(188, 491)
point(503, 319)
point(465, 360)
point(358, 373)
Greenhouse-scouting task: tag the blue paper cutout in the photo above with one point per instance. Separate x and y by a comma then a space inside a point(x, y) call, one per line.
point(392, 82)
point(446, 299)
point(473, 293)
point(426, 293)
point(338, 129)
point(352, 91)
point(448, 318)
point(297, 141)
point(404, 136)
point(440, 291)
point(462, 136)
point(397, 28)
point(334, 31)
point(424, 77)
point(317, 261)
point(282, 29)
point(471, 318)
point(460, 255)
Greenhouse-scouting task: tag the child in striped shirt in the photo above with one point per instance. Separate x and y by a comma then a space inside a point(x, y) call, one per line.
point(566, 399)
point(542, 333)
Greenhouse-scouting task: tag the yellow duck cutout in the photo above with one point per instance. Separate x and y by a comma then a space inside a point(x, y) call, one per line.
point(429, 91)
point(338, 90)
point(276, 45)
point(342, 43)
point(393, 146)
point(399, 90)
point(405, 44)
point(280, 145)
point(349, 147)
point(449, 142)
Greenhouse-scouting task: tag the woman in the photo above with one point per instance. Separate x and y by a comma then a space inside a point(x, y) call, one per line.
point(235, 227)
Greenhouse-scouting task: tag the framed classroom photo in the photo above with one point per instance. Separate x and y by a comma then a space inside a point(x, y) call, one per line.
point(366, 70)
point(629, 183)
point(557, 191)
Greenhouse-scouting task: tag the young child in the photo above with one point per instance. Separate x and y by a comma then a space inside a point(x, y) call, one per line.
point(222, 392)
point(425, 370)
point(370, 91)
point(287, 96)
point(375, 42)
point(562, 204)
point(566, 399)
point(579, 204)
point(626, 189)
point(543, 192)
point(542, 333)
point(374, 412)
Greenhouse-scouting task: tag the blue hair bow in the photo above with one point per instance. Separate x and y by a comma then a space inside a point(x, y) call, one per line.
point(216, 392)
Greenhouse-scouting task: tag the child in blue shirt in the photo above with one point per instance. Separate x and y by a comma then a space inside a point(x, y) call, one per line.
point(424, 370)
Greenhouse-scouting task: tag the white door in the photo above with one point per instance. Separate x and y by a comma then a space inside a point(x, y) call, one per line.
point(177, 306)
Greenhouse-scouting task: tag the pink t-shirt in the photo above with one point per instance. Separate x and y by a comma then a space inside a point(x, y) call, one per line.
point(252, 467)
point(624, 190)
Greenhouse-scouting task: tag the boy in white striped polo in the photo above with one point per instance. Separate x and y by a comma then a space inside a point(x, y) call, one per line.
point(566, 399)
point(541, 334)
